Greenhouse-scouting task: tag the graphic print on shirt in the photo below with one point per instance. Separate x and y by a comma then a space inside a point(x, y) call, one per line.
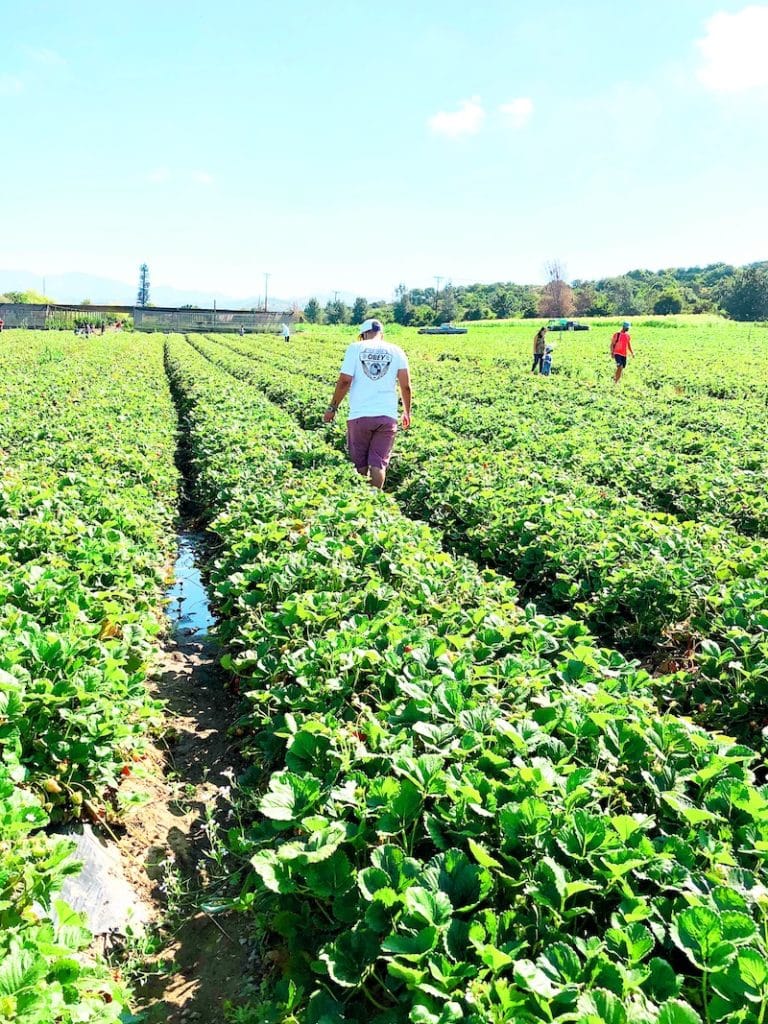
point(375, 362)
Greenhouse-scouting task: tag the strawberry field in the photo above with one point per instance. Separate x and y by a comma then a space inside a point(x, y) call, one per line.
point(504, 725)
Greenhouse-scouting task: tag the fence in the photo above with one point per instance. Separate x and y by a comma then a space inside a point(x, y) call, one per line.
point(182, 320)
point(150, 318)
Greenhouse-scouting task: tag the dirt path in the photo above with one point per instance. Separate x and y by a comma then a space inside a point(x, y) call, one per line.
point(167, 844)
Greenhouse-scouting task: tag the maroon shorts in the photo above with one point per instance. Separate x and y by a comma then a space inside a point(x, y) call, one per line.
point(370, 440)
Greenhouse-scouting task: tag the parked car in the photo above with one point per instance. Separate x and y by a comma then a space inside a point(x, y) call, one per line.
point(443, 329)
point(562, 324)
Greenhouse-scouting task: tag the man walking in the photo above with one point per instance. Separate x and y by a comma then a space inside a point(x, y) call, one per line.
point(620, 346)
point(371, 371)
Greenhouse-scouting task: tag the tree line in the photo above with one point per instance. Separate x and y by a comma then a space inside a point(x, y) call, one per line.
point(738, 292)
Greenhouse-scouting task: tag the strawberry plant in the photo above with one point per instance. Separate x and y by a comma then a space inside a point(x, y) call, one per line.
point(471, 810)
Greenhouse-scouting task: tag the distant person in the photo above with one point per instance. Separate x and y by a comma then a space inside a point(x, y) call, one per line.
point(539, 345)
point(371, 372)
point(620, 346)
point(2, 324)
point(241, 332)
point(286, 332)
point(546, 362)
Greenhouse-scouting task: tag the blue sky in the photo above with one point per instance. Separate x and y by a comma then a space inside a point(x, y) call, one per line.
point(352, 145)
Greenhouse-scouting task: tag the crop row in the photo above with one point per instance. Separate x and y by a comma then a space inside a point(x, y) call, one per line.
point(467, 811)
point(87, 498)
point(690, 595)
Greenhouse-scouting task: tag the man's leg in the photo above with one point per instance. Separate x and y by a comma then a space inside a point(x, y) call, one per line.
point(358, 444)
point(382, 439)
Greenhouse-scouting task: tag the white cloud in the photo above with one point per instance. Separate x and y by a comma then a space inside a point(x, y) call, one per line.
point(159, 175)
point(518, 112)
point(202, 177)
point(10, 85)
point(733, 51)
point(467, 120)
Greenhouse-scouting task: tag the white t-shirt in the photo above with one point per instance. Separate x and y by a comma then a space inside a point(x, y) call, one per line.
point(286, 331)
point(373, 367)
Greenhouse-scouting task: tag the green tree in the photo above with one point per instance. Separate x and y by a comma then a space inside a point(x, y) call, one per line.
point(623, 295)
point(29, 297)
point(504, 303)
point(529, 307)
point(745, 297)
point(359, 310)
point(312, 312)
point(142, 296)
point(477, 310)
point(382, 312)
point(589, 301)
point(669, 301)
point(336, 312)
point(402, 308)
point(447, 305)
point(422, 315)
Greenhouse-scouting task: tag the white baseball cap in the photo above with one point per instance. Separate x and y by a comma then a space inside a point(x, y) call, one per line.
point(370, 325)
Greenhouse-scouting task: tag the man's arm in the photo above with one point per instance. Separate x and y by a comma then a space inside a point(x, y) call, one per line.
point(629, 347)
point(339, 394)
point(404, 380)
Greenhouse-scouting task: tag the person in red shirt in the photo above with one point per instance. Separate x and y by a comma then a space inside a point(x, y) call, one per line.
point(620, 346)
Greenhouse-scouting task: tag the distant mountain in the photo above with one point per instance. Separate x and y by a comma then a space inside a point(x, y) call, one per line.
point(73, 287)
point(70, 287)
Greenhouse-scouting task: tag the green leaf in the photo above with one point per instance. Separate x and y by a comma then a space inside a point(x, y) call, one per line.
point(413, 947)
point(371, 880)
point(319, 846)
point(674, 1011)
point(347, 958)
point(464, 883)
point(737, 927)
point(634, 941)
point(275, 874)
point(412, 976)
point(494, 957)
point(330, 877)
point(532, 978)
point(603, 1005)
point(753, 972)
point(428, 908)
point(745, 978)
point(481, 855)
point(290, 797)
point(560, 962)
point(402, 810)
point(662, 982)
point(698, 931)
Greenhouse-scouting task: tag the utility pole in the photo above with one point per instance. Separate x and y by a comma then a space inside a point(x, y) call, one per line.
point(266, 283)
point(437, 290)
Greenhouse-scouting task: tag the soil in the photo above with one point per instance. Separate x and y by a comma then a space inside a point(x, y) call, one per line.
point(204, 962)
